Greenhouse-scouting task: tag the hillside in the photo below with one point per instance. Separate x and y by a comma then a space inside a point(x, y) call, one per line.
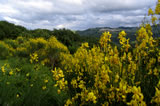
point(9, 30)
point(97, 32)
point(131, 32)
point(69, 37)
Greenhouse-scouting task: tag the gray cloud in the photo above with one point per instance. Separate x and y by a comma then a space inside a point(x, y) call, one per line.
point(118, 5)
point(74, 14)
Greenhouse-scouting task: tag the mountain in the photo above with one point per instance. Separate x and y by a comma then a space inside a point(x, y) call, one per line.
point(66, 36)
point(97, 32)
point(131, 32)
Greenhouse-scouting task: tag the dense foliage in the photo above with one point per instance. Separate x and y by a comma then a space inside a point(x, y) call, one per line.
point(42, 69)
point(69, 38)
point(8, 30)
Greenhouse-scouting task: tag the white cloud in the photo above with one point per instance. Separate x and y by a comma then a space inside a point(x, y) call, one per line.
point(74, 14)
point(73, 2)
point(60, 26)
point(12, 20)
point(7, 10)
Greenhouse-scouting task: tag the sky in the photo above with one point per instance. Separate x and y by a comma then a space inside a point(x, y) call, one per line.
point(74, 14)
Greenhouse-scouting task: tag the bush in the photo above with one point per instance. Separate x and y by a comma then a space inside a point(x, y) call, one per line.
point(11, 43)
point(6, 50)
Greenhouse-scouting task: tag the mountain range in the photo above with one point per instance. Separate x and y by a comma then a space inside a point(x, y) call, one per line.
point(131, 32)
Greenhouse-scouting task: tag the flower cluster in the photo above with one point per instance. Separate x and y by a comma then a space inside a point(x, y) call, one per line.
point(34, 57)
point(123, 41)
point(60, 81)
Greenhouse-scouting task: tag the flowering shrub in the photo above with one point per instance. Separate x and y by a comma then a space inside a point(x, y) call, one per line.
point(6, 50)
point(104, 75)
point(101, 75)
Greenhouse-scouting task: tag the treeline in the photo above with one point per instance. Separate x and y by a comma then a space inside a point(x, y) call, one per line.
point(68, 37)
point(9, 30)
point(72, 39)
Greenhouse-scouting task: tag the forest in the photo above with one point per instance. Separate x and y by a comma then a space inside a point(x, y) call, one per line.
point(59, 67)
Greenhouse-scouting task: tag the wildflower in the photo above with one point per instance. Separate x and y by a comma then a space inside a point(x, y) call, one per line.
point(91, 97)
point(18, 70)
point(74, 83)
point(150, 72)
point(122, 34)
point(154, 18)
point(34, 57)
point(157, 9)
point(27, 75)
point(142, 34)
point(124, 56)
point(127, 46)
point(137, 98)
point(123, 41)
point(58, 91)
point(46, 81)
point(81, 84)
point(68, 102)
point(129, 57)
point(150, 11)
point(44, 87)
point(11, 72)
point(8, 83)
point(116, 78)
point(155, 72)
point(57, 74)
point(3, 70)
point(159, 59)
point(17, 95)
point(31, 85)
point(105, 39)
point(85, 45)
point(156, 98)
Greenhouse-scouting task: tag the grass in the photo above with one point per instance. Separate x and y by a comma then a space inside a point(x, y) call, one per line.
point(20, 84)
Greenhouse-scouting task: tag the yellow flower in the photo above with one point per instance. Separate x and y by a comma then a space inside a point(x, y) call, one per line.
point(74, 83)
point(68, 102)
point(91, 97)
point(142, 34)
point(105, 38)
point(85, 45)
point(123, 41)
point(31, 85)
point(157, 9)
point(81, 84)
point(27, 75)
point(8, 83)
point(11, 72)
point(34, 57)
point(155, 71)
point(154, 18)
point(116, 78)
point(46, 81)
point(150, 72)
point(122, 34)
point(159, 59)
point(150, 11)
point(17, 95)
point(156, 98)
point(3, 70)
point(44, 88)
point(129, 57)
point(18, 70)
point(58, 91)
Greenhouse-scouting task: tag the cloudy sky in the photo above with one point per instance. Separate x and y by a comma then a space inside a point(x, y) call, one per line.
point(74, 14)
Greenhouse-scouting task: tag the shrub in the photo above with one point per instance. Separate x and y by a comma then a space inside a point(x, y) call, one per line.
point(6, 50)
